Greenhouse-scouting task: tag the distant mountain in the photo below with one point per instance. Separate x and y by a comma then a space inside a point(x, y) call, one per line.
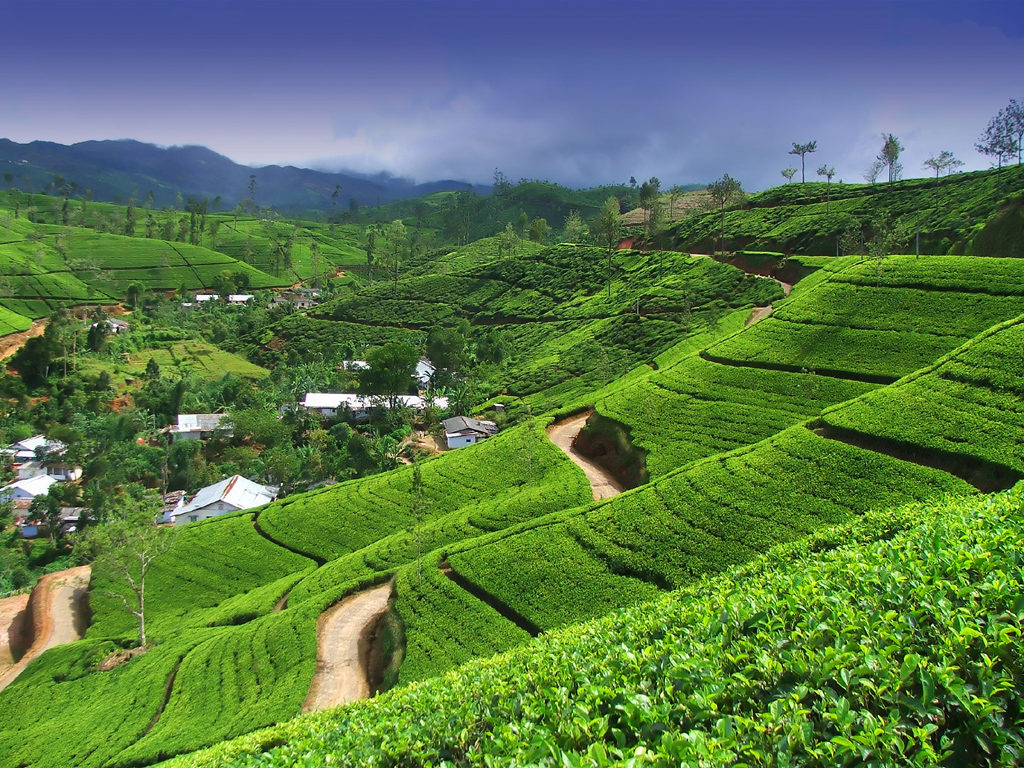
point(114, 171)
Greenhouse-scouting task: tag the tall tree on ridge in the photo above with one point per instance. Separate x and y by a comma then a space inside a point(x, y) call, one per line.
point(607, 227)
point(828, 172)
point(889, 156)
point(802, 150)
point(722, 192)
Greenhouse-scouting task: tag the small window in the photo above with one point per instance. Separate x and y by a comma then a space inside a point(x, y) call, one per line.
point(193, 518)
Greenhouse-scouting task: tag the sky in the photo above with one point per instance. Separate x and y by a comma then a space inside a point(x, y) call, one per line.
point(580, 93)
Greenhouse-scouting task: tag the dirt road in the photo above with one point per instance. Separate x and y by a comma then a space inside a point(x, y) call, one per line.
point(56, 602)
point(561, 433)
point(342, 634)
point(12, 342)
point(10, 607)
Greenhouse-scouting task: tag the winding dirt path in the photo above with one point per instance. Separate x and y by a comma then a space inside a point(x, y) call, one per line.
point(56, 603)
point(10, 608)
point(12, 342)
point(561, 433)
point(342, 633)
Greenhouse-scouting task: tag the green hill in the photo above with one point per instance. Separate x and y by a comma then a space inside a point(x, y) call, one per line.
point(893, 640)
point(974, 213)
point(768, 458)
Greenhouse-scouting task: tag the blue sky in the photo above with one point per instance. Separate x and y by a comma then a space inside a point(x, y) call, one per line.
point(576, 92)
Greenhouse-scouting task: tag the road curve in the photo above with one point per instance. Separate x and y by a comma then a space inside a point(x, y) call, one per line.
point(56, 600)
point(342, 636)
point(561, 433)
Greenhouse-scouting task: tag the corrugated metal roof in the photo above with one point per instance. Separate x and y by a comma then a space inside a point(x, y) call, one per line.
point(235, 491)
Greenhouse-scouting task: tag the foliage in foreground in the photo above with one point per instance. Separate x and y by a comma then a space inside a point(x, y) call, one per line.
point(895, 639)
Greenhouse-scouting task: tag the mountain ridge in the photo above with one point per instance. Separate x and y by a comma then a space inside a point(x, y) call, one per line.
point(116, 169)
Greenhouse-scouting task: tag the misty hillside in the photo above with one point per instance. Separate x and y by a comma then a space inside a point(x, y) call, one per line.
point(115, 171)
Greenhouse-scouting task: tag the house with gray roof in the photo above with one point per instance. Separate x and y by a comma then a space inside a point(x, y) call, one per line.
point(229, 495)
point(460, 431)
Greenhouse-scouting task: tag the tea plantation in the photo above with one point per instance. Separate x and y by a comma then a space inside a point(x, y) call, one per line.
point(806, 574)
point(891, 640)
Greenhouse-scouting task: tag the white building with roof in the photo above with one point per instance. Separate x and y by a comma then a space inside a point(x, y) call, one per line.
point(424, 373)
point(460, 431)
point(353, 406)
point(240, 298)
point(229, 495)
point(198, 426)
point(21, 492)
point(38, 455)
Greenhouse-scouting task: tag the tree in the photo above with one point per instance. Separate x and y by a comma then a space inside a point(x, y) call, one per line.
point(607, 227)
point(99, 332)
point(722, 192)
point(649, 192)
point(133, 293)
point(788, 174)
point(63, 331)
point(373, 233)
point(502, 186)
point(390, 370)
point(33, 360)
point(125, 547)
point(385, 450)
point(574, 229)
point(539, 230)
point(944, 160)
point(446, 349)
point(129, 218)
point(998, 139)
point(674, 193)
point(889, 156)
point(886, 239)
point(828, 172)
point(522, 224)
point(1015, 124)
point(508, 242)
point(802, 150)
point(395, 238)
point(871, 174)
point(45, 508)
point(851, 240)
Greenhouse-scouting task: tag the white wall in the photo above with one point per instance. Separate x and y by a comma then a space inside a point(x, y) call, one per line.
point(461, 441)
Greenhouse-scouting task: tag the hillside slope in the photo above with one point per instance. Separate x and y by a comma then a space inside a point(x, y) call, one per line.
point(502, 540)
point(948, 215)
point(891, 640)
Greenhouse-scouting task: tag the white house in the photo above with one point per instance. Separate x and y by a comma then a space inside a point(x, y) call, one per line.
point(460, 431)
point(54, 467)
point(240, 298)
point(39, 455)
point(114, 325)
point(229, 495)
point(21, 492)
point(31, 448)
point(202, 298)
point(353, 406)
point(197, 426)
point(297, 300)
point(424, 373)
